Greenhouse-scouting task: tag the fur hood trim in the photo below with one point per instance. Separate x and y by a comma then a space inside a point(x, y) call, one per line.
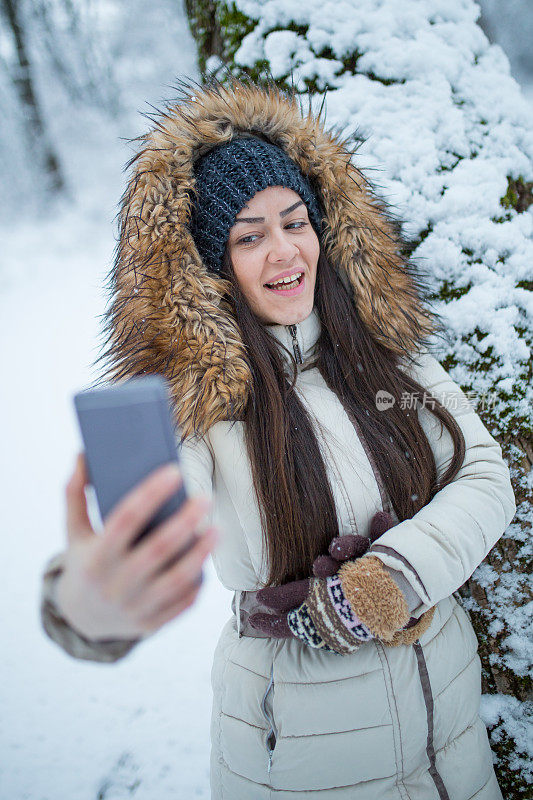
point(167, 313)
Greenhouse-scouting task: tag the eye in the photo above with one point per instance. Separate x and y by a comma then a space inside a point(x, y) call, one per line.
point(250, 239)
point(246, 239)
point(300, 224)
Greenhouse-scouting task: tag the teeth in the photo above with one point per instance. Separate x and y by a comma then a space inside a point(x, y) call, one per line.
point(288, 279)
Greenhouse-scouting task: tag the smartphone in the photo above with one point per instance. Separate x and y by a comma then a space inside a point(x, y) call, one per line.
point(127, 433)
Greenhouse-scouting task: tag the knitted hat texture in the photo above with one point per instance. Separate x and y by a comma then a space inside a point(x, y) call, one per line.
point(227, 177)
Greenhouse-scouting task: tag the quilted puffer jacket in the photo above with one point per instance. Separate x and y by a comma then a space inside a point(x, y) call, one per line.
point(291, 722)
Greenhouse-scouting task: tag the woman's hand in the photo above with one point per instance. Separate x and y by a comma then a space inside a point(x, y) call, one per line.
point(109, 590)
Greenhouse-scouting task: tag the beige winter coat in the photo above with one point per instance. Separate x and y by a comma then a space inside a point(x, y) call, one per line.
point(384, 722)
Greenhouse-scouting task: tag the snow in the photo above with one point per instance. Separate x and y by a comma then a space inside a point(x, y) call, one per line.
point(510, 718)
point(141, 727)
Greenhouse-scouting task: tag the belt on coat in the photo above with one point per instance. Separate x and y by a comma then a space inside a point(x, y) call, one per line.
point(243, 605)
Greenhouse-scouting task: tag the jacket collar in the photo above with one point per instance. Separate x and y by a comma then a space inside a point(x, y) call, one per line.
point(300, 338)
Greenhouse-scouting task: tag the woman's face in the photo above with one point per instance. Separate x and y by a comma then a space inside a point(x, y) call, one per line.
point(271, 240)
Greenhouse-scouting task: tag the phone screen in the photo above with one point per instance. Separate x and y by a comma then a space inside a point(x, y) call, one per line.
point(127, 433)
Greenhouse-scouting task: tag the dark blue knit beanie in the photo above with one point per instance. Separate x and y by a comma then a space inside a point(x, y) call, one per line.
point(227, 177)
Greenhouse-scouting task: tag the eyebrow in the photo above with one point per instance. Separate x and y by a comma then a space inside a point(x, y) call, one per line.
point(262, 219)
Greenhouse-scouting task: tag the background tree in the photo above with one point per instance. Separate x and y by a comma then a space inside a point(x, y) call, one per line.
point(447, 135)
point(23, 82)
point(49, 49)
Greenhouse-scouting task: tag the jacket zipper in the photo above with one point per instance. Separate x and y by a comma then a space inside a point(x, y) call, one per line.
point(271, 733)
point(295, 344)
point(429, 702)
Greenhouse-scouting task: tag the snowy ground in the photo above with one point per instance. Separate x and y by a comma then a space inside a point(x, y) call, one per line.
point(72, 729)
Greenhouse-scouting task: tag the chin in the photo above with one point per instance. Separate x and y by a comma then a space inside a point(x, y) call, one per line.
point(292, 316)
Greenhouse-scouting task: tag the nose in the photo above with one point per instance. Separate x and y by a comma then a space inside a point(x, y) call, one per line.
point(281, 248)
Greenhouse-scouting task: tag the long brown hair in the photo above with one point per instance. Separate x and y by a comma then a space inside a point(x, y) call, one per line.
point(289, 475)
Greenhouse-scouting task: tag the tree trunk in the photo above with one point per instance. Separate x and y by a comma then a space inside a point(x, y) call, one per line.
point(26, 92)
point(205, 27)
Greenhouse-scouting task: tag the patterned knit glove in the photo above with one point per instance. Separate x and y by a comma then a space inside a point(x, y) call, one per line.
point(349, 601)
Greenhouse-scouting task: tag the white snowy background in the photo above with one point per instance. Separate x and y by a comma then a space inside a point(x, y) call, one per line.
point(71, 729)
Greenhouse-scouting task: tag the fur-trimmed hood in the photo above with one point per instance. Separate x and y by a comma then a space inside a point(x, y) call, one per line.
point(168, 314)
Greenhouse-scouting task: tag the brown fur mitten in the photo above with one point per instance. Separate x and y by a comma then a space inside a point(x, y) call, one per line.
point(374, 596)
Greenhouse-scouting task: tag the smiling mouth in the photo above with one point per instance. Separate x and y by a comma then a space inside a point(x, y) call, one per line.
point(291, 282)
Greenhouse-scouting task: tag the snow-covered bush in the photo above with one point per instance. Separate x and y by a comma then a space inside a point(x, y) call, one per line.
point(447, 138)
